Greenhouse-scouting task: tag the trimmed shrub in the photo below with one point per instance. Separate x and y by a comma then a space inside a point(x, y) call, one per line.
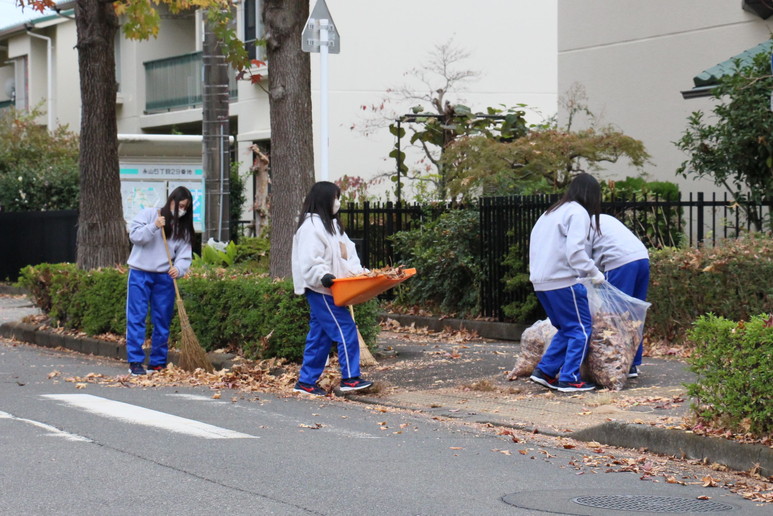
point(446, 253)
point(253, 314)
point(735, 380)
point(731, 280)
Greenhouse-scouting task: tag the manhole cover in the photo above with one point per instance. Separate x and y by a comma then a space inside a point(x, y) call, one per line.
point(651, 504)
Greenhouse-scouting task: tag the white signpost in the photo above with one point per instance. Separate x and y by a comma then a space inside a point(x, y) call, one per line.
point(320, 35)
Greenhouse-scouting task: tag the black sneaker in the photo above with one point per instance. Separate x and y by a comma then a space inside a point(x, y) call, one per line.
point(137, 369)
point(633, 372)
point(314, 390)
point(355, 384)
point(541, 378)
point(575, 386)
point(156, 368)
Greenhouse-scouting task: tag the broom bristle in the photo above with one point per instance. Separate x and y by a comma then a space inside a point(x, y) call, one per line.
point(192, 355)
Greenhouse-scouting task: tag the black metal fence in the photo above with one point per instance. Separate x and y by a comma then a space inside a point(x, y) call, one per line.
point(506, 222)
point(30, 238)
point(505, 225)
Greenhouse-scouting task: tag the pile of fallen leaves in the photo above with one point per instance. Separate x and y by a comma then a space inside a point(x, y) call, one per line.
point(611, 350)
point(392, 273)
point(423, 334)
point(273, 375)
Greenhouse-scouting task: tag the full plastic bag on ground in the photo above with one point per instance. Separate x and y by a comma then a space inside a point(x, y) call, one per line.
point(534, 341)
point(618, 326)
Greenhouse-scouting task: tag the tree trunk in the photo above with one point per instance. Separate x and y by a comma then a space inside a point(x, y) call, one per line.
point(102, 237)
point(292, 147)
point(216, 147)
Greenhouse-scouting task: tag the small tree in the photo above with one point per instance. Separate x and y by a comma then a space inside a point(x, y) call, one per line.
point(736, 150)
point(543, 160)
point(38, 168)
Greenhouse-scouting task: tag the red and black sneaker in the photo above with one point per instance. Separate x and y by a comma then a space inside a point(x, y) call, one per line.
point(575, 386)
point(156, 368)
point(537, 376)
point(314, 390)
point(355, 384)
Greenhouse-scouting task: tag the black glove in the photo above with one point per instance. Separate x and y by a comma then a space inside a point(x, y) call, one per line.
point(327, 280)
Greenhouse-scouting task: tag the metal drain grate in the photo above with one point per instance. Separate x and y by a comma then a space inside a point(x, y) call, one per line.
point(651, 504)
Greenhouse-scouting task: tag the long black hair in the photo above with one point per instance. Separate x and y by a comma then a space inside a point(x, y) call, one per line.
point(179, 228)
point(584, 190)
point(320, 200)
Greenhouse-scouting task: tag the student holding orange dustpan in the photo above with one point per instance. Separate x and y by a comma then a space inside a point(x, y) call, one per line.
point(321, 253)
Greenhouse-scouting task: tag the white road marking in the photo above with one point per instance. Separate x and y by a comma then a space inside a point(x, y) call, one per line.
point(281, 417)
point(147, 417)
point(52, 430)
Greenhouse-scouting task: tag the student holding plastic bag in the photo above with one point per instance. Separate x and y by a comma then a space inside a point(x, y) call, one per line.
point(619, 253)
point(559, 255)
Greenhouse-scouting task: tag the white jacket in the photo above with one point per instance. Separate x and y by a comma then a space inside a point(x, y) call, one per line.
point(559, 248)
point(316, 253)
point(148, 253)
point(616, 245)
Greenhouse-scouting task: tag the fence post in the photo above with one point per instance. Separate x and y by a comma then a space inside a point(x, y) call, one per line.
point(699, 229)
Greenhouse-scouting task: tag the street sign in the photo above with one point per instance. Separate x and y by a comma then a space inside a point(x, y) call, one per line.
point(318, 19)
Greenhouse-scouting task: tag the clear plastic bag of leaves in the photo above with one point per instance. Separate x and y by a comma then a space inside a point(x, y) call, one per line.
point(618, 327)
point(534, 340)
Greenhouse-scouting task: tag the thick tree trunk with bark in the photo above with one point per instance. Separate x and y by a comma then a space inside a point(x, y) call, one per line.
point(292, 147)
point(102, 237)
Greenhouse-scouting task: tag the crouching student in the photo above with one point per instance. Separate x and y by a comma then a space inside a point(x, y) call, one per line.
point(559, 255)
point(619, 253)
point(321, 253)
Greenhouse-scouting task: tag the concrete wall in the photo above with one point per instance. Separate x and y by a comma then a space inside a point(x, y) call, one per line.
point(634, 58)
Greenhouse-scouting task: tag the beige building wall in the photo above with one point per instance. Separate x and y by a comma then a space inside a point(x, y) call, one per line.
point(635, 57)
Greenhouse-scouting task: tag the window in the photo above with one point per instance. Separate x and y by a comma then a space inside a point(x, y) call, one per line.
point(253, 29)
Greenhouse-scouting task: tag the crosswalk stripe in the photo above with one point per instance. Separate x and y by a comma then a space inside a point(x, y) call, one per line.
point(141, 416)
point(52, 430)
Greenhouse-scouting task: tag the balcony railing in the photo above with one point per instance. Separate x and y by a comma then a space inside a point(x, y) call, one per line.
point(177, 82)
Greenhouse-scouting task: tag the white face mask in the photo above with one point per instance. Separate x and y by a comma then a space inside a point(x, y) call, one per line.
point(336, 206)
point(182, 213)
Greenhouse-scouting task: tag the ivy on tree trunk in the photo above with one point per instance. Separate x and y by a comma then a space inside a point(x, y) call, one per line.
point(102, 237)
point(292, 149)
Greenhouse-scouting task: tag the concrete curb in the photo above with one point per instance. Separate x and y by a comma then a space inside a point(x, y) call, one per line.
point(679, 443)
point(486, 329)
point(88, 345)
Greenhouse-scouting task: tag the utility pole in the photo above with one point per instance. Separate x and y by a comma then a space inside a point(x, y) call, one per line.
point(215, 131)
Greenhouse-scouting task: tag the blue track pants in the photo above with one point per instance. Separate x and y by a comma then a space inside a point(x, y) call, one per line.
point(569, 312)
point(329, 323)
point(632, 279)
point(156, 289)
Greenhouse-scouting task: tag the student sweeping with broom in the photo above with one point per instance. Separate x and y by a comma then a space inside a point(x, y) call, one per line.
point(151, 279)
point(322, 252)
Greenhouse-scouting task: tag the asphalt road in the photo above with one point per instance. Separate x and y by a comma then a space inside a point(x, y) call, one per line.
point(121, 450)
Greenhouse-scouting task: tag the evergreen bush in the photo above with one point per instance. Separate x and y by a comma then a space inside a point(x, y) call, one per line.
point(731, 280)
point(735, 380)
point(252, 314)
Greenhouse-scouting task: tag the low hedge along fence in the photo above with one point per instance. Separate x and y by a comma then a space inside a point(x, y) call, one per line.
point(255, 315)
point(732, 280)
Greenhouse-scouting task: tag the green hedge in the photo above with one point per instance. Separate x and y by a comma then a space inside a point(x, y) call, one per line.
point(735, 379)
point(253, 314)
point(732, 280)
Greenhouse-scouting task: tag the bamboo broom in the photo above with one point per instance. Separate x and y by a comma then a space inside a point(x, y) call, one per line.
point(366, 358)
point(192, 355)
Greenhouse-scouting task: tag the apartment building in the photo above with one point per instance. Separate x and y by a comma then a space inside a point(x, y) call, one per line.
point(511, 45)
point(642, 65)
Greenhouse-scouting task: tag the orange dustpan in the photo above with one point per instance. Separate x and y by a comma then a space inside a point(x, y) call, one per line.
point(358, 289)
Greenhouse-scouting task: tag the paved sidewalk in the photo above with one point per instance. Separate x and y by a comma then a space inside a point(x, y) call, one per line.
point(467, 380)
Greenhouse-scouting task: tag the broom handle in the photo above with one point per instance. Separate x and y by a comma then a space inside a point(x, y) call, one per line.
point(169, 257)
